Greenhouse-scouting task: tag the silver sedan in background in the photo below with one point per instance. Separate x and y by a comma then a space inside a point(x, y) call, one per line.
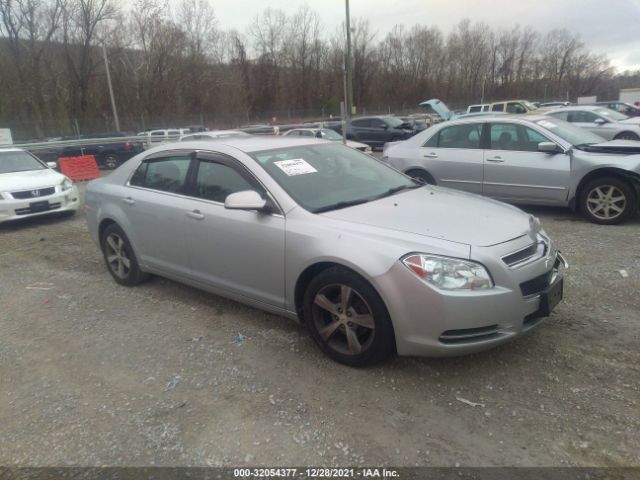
point(602, 121)
point(371, 261)
point(527, 160)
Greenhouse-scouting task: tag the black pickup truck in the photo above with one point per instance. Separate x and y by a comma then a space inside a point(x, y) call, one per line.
point(108, 155)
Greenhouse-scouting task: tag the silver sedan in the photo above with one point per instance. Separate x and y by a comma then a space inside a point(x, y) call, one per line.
point(315, 231)
point(602, 121)
point(527, 160)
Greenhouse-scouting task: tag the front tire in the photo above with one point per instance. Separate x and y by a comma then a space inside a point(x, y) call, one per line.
point(348, 319)
point(119, 257)
point(421, 176)
point(608, 201)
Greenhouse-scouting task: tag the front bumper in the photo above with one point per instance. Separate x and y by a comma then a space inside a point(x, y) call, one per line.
point(59, 201)
point(436, 323)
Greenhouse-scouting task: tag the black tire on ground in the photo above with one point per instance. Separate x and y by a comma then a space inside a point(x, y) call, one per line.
point(120, 258)
point(608, 200)
point(348, 319)
point(627, 136)
point(421, 176)
point(110, 161)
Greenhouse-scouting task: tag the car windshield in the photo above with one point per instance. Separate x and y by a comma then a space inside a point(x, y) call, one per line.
point(611, 114)
point(329, 134)
point(529, 105)
point(330, 176)
point(572, 134)
point(18, 161)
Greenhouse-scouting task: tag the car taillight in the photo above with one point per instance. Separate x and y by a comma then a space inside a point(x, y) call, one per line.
point(127, 146)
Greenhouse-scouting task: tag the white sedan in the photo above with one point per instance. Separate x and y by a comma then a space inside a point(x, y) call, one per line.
point(29, 187)
point(327, 134)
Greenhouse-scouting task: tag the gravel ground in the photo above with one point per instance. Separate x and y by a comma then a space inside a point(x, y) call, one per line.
point(92, 373)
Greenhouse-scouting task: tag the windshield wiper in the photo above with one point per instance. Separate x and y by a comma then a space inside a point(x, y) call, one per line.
point(397, 189)
point(343, 204)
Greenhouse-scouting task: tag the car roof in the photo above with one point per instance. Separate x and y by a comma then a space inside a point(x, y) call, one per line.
point(248, 144)
point(577, 107)
point(10, 149)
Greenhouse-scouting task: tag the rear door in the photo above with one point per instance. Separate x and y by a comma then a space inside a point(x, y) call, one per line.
point(360, 129)
point(235, 250)
point(515, 171)
point(155, 204)
point(453, 157)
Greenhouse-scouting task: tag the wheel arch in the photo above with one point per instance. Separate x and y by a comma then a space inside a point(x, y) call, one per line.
point(104, 223)
point(421, 170)
point(625, 132)
point(631, 178)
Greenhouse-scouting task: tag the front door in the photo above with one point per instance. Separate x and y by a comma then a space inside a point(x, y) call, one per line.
point(236, 250)
point(515, 171)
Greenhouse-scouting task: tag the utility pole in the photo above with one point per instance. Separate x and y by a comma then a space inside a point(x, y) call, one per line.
point(113, 100)
point(349, 106)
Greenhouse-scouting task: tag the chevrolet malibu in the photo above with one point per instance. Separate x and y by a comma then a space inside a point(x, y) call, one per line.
point(29, 187)
point(371, 261)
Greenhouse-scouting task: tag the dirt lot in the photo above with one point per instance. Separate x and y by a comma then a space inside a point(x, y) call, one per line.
point(92, 373)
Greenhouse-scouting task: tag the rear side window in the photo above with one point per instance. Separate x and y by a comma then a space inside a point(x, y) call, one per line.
point(167, 174)
point(560, 115)
point(215, 181)
point(582, 117)
point(458, 136)
point(497, 107)
point(475, 108)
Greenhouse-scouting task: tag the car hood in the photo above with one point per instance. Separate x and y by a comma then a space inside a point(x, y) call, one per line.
point(623, 147)
point(442, 213)
point(29, 180)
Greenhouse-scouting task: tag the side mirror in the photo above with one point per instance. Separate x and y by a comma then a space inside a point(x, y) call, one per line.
point(245, 200)
point(53, 165)
point(599, 121)
point(548, 147)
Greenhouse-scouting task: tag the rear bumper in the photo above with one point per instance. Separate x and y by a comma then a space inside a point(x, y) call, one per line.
point(67, 201)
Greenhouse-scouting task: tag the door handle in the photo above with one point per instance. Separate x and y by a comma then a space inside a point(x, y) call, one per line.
point(129, 201)
point(495, 160)
point(430, 155)
point(195, 214)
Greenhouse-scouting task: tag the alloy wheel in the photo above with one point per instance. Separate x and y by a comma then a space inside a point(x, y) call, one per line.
point(606, 202)
point(343, 319)
point(116, 255)
point(111, 162)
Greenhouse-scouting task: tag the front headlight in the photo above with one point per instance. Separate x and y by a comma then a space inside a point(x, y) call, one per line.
point(449, 273)
point(66, 184)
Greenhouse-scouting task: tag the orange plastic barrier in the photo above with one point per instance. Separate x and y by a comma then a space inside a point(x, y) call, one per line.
point(79, 168)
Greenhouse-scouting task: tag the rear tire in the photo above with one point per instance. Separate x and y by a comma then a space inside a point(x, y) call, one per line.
point(119, 256)
point(348, 319)
point(110, 161)
point(608, 201)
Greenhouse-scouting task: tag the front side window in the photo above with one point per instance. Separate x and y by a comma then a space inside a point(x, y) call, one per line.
point(497, 107)
point(330, 176)
point(460, 136)
point(515, 107)
point(582, 116)
point(561, 115)
point(362, 123)
point(515, 137)
point(215, 181)
point(166, 174)
point(377, 123)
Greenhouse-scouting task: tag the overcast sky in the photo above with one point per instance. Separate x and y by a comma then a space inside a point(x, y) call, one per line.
point(606, 26)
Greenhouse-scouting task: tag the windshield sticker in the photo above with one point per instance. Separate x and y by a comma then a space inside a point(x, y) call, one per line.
point(547, 124)
point(295, 166)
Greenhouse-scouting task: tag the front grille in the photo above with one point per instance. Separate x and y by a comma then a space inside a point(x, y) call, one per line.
point(537, 284)
point(469, 335)
point(35, 193)
point(28, 210)
point(532, 252)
